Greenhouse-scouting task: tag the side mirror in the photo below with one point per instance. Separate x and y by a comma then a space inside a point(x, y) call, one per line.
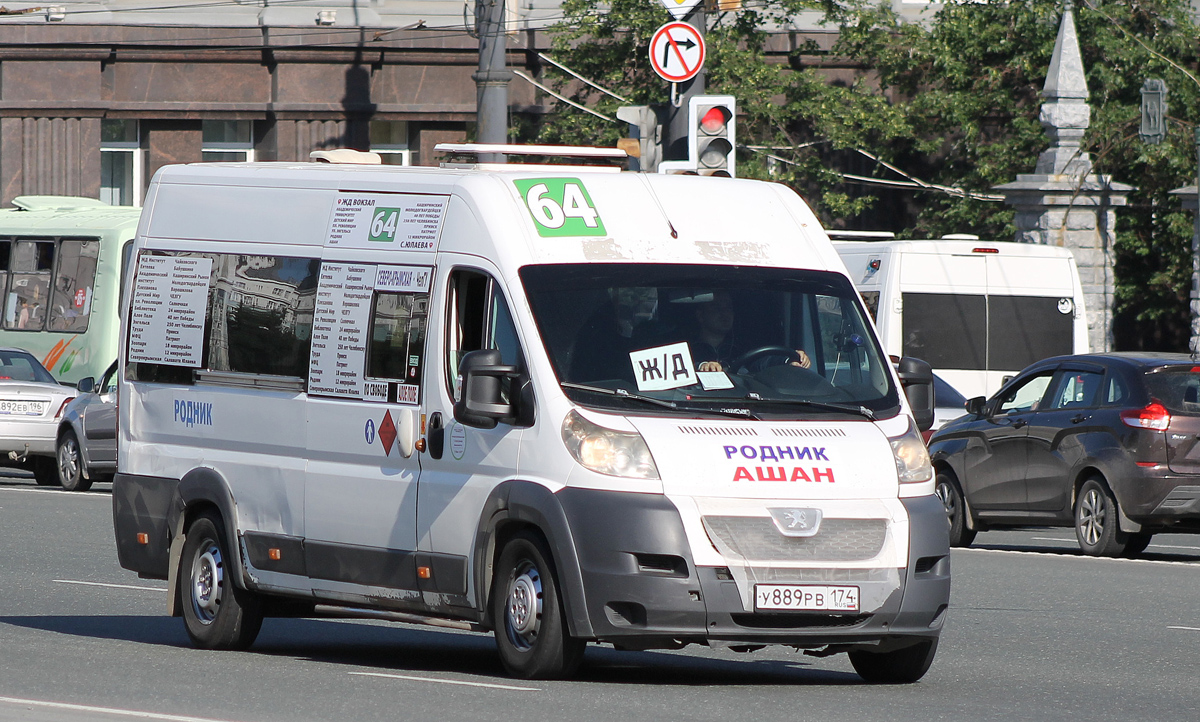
point(975, 405)
point(916, 377)
point(480, 401)
point(86, 385)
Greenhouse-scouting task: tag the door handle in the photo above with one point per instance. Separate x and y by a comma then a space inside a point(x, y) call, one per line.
point(1018, 423)
point(1077, 418)
point(435, 436)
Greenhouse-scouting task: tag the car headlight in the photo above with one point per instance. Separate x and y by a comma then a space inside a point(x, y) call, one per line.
point(912, 458)
point(606, 451)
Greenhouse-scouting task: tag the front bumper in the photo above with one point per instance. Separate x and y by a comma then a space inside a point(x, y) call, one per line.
point(643, 590)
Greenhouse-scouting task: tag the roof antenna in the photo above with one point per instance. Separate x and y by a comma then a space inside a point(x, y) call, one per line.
point(663, 211)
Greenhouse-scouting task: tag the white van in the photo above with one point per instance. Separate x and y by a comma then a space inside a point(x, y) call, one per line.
point(977, 311)
point(494, 398)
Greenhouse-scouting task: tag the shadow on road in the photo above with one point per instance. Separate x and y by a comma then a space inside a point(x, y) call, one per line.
point(1148, 555)
point(396, 649)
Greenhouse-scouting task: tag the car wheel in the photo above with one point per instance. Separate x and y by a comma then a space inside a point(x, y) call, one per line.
point(956, 510)
point(901, 666)
point(45, 470)
point(1096, 525)
point(216, 612)
point(531, 630)
point(70, 464)
point(1137, 544)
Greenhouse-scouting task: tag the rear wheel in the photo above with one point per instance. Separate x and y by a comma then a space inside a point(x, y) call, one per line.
point(216, 612)
point(70, 464)
point(956, 510)
point(531, 631)
point(1096, 525)
point(901, 666)
point(45, 470)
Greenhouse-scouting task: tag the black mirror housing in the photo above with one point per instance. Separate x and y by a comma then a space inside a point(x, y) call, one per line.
point(86, 385)
point(975, 405)
point(480, 401)
point(916, 377)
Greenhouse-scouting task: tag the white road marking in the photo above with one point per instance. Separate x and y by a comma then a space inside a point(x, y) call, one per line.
point(1051, 538)
point(1193, 565)
point(114, 586)
point(1188, 629)
point(60, 492)
point(1074, 541)
point(105, 710)
point(447, 681)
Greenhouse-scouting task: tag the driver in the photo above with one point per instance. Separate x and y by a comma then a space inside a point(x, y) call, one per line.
point(715, 345)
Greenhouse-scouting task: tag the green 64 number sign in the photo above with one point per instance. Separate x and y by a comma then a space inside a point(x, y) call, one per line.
point(560, 207)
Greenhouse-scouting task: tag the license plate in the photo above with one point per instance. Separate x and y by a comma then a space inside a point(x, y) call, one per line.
point(805, 597)
point(22, 408)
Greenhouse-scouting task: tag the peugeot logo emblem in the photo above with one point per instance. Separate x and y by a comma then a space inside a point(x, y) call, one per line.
point(796, 522)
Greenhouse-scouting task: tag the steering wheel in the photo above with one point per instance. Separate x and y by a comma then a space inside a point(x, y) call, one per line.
point(764, 352)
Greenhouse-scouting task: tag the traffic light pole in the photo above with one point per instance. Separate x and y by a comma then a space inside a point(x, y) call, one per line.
point(675, 130)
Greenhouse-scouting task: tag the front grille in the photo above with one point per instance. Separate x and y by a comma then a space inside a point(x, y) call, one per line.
point(756, 538)
point(798, 621)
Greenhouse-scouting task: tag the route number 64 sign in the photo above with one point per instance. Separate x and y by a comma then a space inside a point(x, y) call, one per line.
point(560, 207)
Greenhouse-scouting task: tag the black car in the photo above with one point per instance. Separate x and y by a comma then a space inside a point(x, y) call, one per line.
point(1107, 443)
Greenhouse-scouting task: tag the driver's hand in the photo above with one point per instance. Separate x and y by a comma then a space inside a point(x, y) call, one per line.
point(804, 362)
point(710, 366)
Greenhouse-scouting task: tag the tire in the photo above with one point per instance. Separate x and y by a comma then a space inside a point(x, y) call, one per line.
point(531, 630)
point(45, 470)
point(70, 464)
point(216, 612)
point(901, 666)
point(1137, 544)
point(1096, 525)
point(956, 509)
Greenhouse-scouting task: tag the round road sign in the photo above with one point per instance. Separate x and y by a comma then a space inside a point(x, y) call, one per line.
point(677, 52)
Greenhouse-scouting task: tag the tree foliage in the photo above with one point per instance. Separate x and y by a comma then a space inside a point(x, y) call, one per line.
point(953, 103)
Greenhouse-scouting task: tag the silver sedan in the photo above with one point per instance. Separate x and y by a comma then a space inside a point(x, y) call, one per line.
point(31, 404)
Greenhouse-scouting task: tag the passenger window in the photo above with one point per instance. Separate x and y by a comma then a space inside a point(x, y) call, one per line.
point(1075, 389)
point(1115, 392)
point(1025, 397)
point(398, 336)
point(29, 289)
point(74, 283)
point(479, 319)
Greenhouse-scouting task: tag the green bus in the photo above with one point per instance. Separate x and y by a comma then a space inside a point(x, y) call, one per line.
point(62, 262)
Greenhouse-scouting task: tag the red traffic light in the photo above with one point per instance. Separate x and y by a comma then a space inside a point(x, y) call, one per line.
point(715, 119)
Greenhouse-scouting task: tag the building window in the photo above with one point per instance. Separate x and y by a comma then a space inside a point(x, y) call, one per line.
point(389, 138)
point(121, 163)
point(228, 141)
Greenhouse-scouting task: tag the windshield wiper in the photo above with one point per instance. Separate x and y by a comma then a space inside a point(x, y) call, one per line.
point(623, 393)
point(626, 394)
point(827, 406)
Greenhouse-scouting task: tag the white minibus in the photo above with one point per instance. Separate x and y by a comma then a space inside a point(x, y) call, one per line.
point(977, 311)
point(564, 404)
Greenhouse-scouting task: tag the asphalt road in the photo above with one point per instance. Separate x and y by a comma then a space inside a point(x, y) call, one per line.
point(1035, 632)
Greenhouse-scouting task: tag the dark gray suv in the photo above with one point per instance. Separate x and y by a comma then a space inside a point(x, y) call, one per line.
point(1107, 443)
point(87, 436)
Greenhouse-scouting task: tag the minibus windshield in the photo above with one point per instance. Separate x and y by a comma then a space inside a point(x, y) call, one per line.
point(703, 338)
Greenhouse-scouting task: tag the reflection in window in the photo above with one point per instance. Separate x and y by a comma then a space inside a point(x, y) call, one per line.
point(72, 304)
point(254, 329)
point(227, 140)
point(29, 288)
point(398, 336)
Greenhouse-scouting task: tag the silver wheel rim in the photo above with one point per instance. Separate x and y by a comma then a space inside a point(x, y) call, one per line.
point(68, 459)
point(1092, 510)
point(949, 503)
point(523, 606)
point(208, 576)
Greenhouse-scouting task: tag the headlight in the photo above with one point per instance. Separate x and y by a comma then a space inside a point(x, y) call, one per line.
point(912, 458)
point(605, 451)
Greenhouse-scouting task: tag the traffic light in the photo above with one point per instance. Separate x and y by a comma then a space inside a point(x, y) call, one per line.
point(646, 128)
point(711, 123)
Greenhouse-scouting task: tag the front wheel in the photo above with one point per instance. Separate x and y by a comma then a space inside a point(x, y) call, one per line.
point(531, 630)
point(216, 612)
point(1096, 524)
point(70, 464)
point(901, 666)
point(956, 510)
